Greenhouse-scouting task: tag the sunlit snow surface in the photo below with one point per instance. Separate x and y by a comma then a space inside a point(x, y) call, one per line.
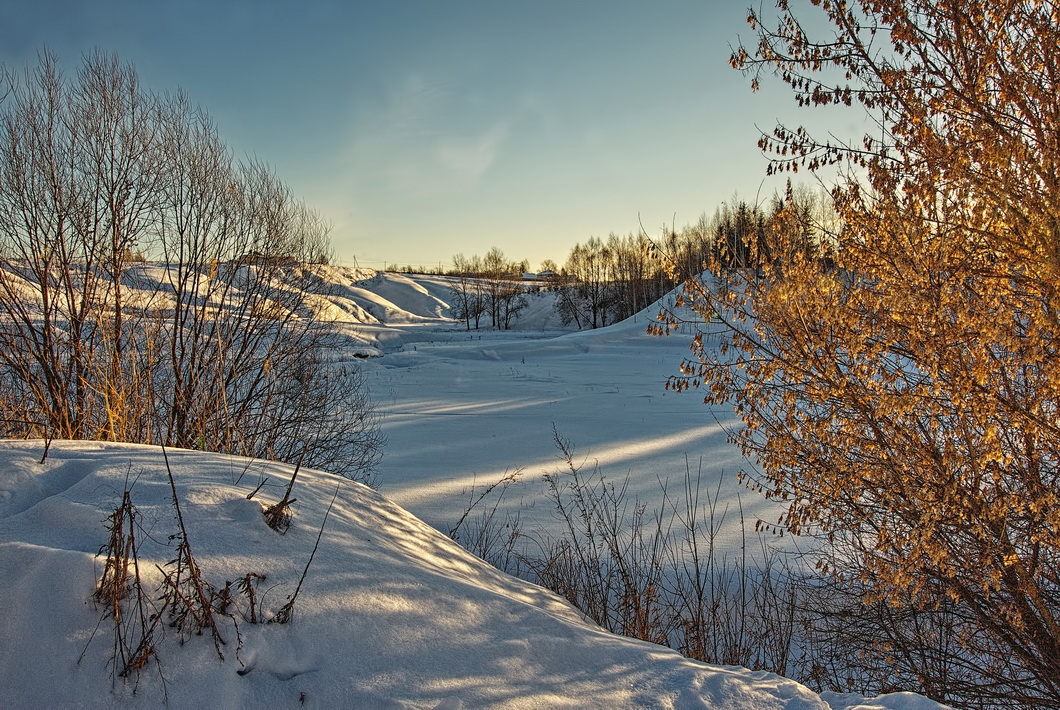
point(392, 613)
point(461, 408)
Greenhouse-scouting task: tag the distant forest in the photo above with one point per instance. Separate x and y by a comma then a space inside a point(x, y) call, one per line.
point(604, 281)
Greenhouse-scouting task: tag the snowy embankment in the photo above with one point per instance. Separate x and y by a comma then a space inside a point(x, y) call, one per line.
point(392, 614)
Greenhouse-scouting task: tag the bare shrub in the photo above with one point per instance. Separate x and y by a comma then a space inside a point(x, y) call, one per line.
point(121, 591)
point(183, 598)
point(187, 597)
point(609, 561)
point(654, 573)
point(278, 515)
point(734, 607)
point(486, 535)
point(214, 345)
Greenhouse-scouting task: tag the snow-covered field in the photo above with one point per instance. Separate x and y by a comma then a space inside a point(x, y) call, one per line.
point(391, 614)
point(463, 408)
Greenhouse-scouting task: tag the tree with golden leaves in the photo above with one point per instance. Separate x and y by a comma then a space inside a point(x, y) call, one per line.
point(903, 400)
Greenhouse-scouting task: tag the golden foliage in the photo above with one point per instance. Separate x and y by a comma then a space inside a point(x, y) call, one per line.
point(904, 400)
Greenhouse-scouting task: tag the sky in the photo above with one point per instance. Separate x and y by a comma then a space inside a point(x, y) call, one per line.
point(424, 129)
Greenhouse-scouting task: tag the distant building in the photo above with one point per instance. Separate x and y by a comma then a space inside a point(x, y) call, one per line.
point(256, 258)
point(546, 275)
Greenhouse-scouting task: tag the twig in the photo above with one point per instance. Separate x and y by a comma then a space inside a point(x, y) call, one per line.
point(286, 612)
point(47, 446)
point(254, 492)
point(278, 516)
point(199, 587)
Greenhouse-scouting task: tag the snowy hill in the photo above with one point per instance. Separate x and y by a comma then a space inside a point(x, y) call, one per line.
point(379, 311)
point(392, 614)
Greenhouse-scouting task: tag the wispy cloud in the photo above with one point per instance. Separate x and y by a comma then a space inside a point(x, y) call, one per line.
point(535, 106)
point(410, 108)
point(414, 143)
point(469, 160)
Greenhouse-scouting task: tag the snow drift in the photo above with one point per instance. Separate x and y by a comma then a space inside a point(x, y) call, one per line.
point(392, 613)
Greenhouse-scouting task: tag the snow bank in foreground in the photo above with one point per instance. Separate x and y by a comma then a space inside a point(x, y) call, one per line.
point(391, 615)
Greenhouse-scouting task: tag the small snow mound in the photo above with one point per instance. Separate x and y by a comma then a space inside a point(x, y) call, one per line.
point(891, 701)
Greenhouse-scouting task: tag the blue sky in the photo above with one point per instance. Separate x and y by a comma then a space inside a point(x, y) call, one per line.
point(425, 129)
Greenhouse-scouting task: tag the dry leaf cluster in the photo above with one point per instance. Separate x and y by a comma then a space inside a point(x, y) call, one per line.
point(903, 399)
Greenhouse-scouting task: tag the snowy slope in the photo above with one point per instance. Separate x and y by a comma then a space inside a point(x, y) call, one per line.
point(392, 613)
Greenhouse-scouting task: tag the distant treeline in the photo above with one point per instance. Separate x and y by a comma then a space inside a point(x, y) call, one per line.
point(604, 281)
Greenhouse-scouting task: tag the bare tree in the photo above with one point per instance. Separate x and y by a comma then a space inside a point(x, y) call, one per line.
point(217, 346)
point(490, 284)
point(588, 284)
point(466, 286)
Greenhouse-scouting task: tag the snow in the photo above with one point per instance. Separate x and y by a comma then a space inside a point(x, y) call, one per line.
point(392, 614)
point(890, 701)
point(478, 404)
